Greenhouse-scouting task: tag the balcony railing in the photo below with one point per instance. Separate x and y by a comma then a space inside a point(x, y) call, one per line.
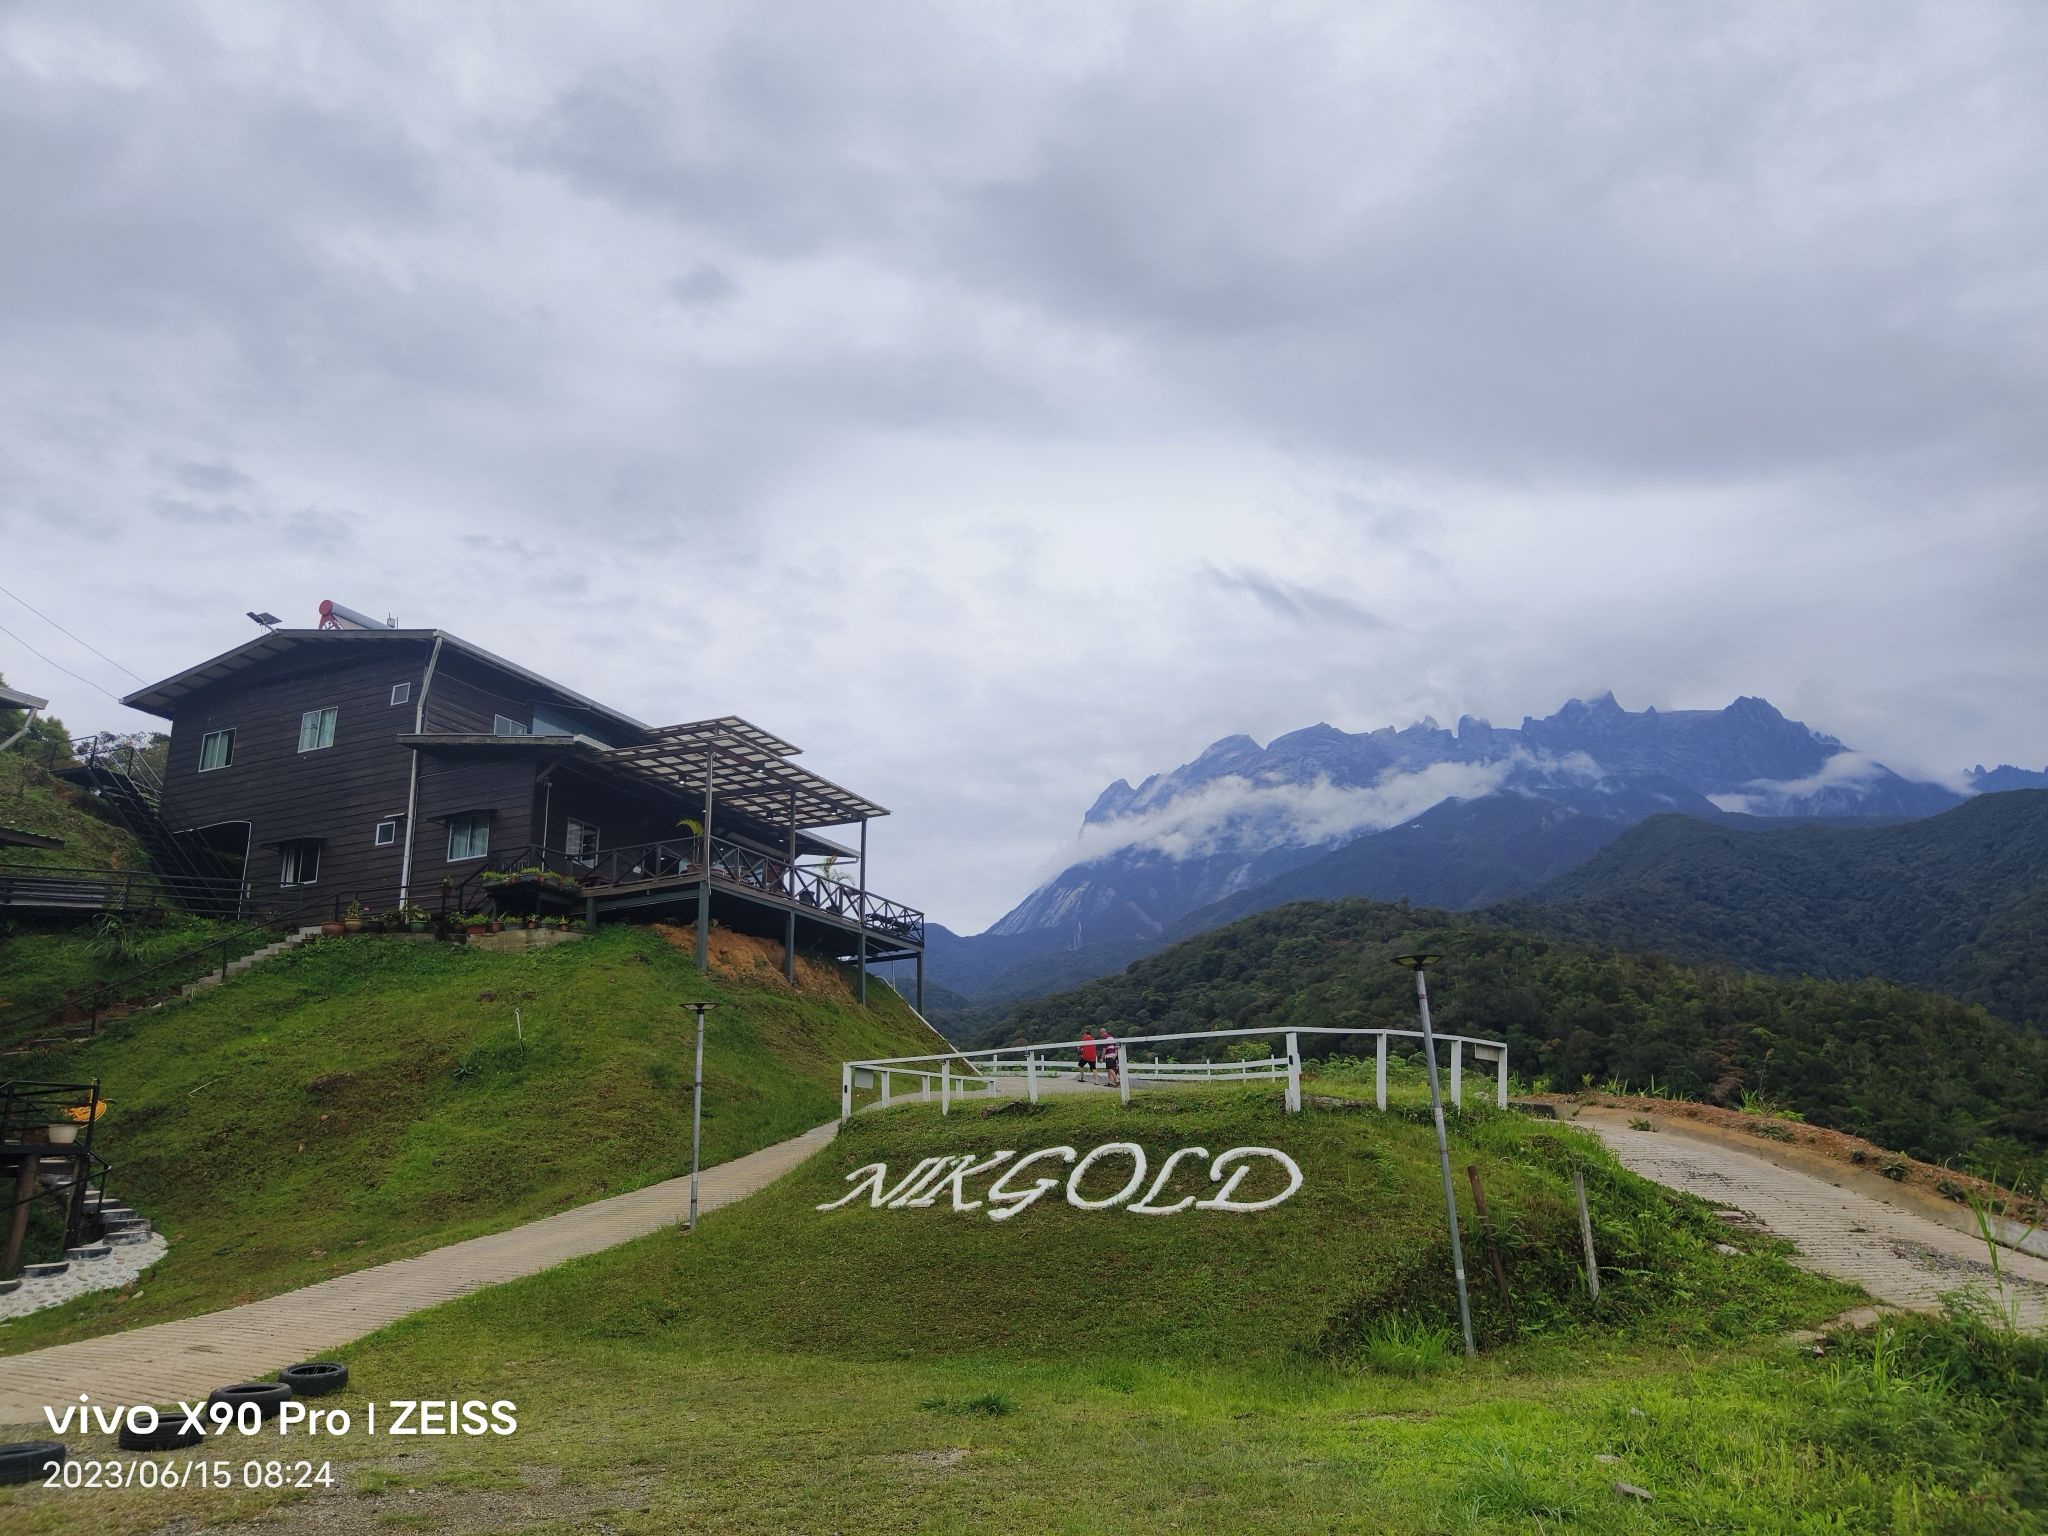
point(676, 860)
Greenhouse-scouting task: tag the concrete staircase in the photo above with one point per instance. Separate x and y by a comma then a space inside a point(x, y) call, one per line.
point(251, 960)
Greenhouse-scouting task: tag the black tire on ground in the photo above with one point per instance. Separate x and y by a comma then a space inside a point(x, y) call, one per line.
point(170, 1434)
point(266, 1395)
point(316, 1378)
point(28, 1461)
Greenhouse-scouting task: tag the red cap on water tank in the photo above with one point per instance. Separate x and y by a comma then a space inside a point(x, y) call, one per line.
point(327, 614)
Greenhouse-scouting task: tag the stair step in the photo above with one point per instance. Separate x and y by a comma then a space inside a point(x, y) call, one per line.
point(44, 1271)
point(128, 1235)
point(88, 1251)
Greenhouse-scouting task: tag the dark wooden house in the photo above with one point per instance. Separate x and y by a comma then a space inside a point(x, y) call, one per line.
point(408, 767)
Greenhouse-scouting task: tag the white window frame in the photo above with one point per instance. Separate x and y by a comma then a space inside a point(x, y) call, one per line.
point(379, 837)
point(475, 833)
point(227, 757)
point(569, 841)
point(401, 693)
point(291, 861)
point(322, 721)
point(505, 725)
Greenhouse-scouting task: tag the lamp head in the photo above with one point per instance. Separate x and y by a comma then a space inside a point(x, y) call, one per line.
point(700, 1007)
point(1417, 962)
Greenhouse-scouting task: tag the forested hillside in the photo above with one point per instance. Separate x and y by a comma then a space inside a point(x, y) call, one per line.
point(1957, 903)
point(1912, 1070)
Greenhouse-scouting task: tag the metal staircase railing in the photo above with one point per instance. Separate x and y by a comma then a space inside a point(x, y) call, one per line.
point(127, 783)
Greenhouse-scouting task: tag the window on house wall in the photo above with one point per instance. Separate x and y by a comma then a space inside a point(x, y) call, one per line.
point(401, 693)
point(386, 834)
point(505, 725)
point(580, 843)
point(316, 729)
point(298, 863)
point(216, 750)
point(469, 837)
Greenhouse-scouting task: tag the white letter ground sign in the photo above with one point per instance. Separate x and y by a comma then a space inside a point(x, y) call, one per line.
point(1018, 1185)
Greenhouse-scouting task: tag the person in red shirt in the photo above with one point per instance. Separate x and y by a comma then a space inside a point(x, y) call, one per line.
point(1087, 1056)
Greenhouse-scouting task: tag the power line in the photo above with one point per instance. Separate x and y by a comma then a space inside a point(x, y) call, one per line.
point(10, 634)
point(103, 656)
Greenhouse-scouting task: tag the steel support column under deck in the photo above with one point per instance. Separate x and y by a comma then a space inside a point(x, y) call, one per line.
point(863, 911)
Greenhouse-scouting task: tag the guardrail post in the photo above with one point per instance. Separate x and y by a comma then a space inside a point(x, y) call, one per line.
point(845, 1091)
point(885, 1088)
point(1380, 1073)
point(1500, 1082)
point(1457, 1072)
point(1031, 1075)
point(945, 1087)
point(924, 1086)
point(1293, 1073)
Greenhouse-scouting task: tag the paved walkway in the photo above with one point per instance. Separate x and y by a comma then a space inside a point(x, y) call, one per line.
point(187, 1359)
point(1900, 1257)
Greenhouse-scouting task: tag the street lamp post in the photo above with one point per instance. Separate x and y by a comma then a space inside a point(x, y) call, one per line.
point(1419, 964)
point(697, 1110)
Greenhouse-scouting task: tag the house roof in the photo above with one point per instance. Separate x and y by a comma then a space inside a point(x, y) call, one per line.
point(163, 698)
point(746, 765)
point(14, 700)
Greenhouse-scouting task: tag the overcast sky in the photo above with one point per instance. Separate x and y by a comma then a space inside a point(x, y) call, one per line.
point(1000, 400)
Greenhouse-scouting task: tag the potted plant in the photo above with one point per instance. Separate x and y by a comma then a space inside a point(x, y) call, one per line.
point(417, 921)
point(73, 1119)
point(352, 917)
point(495, 925)
point(333, 929)
point(475, 922)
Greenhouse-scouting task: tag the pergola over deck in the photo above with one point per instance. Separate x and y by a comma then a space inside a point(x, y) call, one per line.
point(727, 768)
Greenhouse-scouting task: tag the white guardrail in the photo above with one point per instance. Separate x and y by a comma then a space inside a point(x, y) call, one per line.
point(1053, 1065)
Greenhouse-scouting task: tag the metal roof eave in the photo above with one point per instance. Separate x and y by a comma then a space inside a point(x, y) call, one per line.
point(157, 697)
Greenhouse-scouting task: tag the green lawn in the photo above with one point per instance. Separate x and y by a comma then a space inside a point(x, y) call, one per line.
point(366, 1098)
point(1074, 1371)
point(39, 964)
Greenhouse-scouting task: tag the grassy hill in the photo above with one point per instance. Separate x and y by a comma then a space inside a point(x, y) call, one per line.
point(364, 1098)
point(37, 801)
point(1957, 903)
point(1093, 1372)
point(1912, 1070)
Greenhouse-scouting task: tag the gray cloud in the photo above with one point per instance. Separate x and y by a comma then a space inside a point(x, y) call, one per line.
point(1292, 600)
point(1004, 402)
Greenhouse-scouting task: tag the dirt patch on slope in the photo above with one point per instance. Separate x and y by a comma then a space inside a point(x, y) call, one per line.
point(741, 954)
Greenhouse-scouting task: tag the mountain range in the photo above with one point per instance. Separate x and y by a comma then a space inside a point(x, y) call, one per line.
point(1455, 818)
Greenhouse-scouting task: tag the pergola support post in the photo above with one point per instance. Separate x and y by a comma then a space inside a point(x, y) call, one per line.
point(789, 947)
point(861, 913)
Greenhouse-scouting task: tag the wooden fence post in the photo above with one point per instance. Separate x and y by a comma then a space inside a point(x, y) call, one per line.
point(1031, 1075)
point(945, 1087)
point(1293, 1073)
point(845, 1092)
point(1500, 1081)
point(1586, 1234)
point(1457, 1073)
point(885, 1087)
point(1380, 1076)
